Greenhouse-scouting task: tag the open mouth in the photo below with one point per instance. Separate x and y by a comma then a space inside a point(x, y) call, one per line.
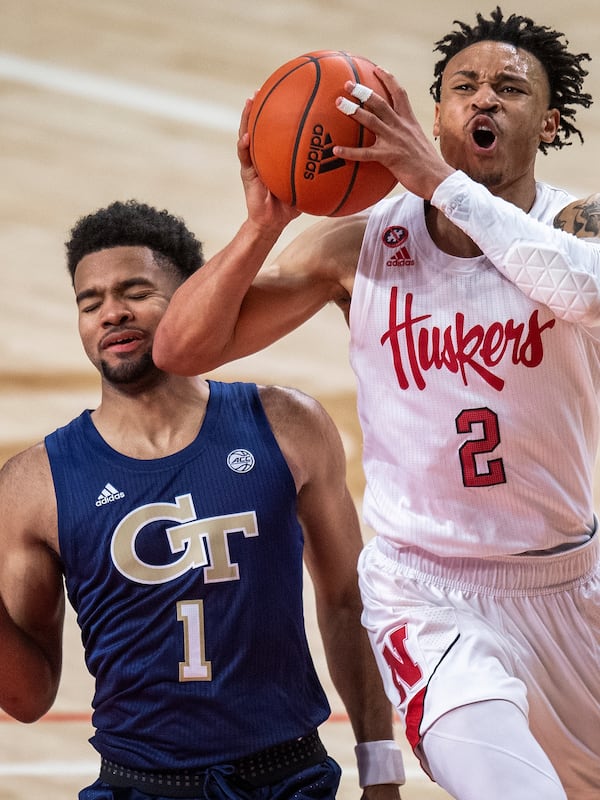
point(119, 340)
point(484, 138)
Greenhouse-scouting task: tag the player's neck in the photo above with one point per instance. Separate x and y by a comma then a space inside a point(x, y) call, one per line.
point(154, 423)
point(447, 237)
point(450, 239)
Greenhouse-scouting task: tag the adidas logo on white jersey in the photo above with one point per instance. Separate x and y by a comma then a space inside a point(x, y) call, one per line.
point(108, 495)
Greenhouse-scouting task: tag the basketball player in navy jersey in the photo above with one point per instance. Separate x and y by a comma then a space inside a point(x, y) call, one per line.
point(474, 316)
point(178, 513)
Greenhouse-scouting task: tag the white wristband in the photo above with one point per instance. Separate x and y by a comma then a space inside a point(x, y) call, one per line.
point(379, 762)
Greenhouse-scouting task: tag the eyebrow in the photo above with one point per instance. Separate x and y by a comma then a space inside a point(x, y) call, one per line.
point(504, 75)
point(122, 286)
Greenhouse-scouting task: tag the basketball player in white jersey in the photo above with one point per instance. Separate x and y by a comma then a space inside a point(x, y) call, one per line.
point(475, 338)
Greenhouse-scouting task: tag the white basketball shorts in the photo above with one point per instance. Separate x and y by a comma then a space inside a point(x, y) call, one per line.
point(447, 632)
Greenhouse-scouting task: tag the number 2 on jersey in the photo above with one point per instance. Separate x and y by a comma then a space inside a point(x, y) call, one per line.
point(477, 470)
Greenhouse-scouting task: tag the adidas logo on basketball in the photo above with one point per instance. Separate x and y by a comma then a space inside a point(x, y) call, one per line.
point(401, 258)
point(108, 495)
point(320, 154)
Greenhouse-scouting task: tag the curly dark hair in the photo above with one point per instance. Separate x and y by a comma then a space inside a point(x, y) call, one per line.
point(564, 70)
point(133, 224)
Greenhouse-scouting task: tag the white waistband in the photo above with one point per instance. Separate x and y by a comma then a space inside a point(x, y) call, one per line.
point(509, 575)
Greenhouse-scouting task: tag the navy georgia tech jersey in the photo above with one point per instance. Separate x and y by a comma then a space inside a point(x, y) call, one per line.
point(186, 576)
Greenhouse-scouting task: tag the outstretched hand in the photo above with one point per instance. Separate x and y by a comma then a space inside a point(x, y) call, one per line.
point(400, 144)
point(264, 209)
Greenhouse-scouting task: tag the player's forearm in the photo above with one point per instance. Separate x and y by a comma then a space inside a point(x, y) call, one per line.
point(548, 265)
point(198, 331)
point(355, 676)
point(354, 673)
point(28, 678)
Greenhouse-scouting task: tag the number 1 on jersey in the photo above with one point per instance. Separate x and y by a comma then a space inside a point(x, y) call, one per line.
point(195, 667)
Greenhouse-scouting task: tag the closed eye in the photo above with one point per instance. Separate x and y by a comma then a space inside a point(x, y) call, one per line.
point(89, 307)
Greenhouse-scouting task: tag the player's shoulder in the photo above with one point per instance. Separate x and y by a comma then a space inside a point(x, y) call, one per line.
point(27, 475)
point(284, 404)
point(581, 217)
point(298, 417)
point(305, 432)
point(333, 241)
point(32, 461)
point(27, 492)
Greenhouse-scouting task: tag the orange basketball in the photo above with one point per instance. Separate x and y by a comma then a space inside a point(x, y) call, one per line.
point(294, 125)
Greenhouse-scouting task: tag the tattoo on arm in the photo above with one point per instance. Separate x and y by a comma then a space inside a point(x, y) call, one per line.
point(581, 218)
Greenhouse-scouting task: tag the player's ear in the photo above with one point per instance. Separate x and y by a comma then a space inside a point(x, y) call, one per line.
point(550, 125)
point(436, 120)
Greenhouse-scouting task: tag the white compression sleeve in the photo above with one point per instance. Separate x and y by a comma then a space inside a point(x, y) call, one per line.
point(487, 750)
point(547, 264)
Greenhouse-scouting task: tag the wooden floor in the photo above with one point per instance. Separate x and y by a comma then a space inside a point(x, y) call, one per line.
point(123, 98)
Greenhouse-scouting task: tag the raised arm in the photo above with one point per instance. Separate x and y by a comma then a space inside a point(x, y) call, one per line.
point(333, 541)
point(224, 311)
point(31, 588)
point(546, 264)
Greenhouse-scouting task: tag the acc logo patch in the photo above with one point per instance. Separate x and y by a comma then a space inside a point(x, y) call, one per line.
point(240, 460)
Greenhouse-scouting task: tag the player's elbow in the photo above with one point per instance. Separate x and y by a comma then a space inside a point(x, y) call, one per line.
point(171, 354)
point(29, 704)
point(179, 354)
point(28, 714)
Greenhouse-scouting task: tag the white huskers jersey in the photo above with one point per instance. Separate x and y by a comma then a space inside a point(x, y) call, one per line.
point(478, 404)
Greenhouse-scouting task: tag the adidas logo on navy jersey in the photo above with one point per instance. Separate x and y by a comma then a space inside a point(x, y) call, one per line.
point(108, 495)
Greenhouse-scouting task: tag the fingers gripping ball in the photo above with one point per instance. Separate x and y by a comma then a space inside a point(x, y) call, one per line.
point(294, 125)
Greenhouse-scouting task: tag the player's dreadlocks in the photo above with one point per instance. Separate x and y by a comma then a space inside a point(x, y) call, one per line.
point(564, 70)
point(133, 224)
